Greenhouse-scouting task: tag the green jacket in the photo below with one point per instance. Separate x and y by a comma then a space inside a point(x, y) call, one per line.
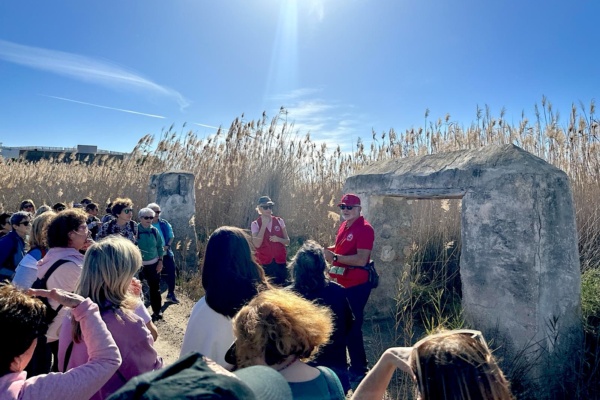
point(150, 242)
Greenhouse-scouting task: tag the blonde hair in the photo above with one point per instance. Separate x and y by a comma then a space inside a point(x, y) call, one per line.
point(278, 323)
point(456, 365)
point(39, 230)
point(108, 268)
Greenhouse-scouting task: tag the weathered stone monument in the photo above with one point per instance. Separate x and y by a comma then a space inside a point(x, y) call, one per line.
point(519, 265)
point(174, 192)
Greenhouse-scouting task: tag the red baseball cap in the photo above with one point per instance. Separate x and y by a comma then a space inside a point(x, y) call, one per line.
point(350, 200)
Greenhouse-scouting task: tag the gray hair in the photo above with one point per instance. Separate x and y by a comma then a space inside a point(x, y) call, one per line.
point(146, 212)
point(153, 206)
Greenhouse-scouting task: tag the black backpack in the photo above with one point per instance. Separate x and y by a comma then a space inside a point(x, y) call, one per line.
point(41, 283)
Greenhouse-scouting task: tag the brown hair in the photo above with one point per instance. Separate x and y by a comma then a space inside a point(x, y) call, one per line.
point(26, 201)
point(63, 223)
point(119, 204)
point(278, 323)
point(308, 268)
point(23, 319)
point(456, 365)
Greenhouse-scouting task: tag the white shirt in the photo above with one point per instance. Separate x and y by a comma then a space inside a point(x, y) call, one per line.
point(209, 333)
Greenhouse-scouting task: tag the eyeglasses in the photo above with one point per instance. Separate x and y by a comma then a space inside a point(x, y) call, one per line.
point(128, 210)
point(28, 206)
point(146, 218)
point(24, 223)
point(345, 207)
point(266, 207)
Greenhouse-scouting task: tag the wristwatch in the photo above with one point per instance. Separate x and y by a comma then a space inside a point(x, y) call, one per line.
point(335, 257)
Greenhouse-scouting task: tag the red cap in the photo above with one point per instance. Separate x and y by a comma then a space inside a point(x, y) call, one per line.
point(350, 200)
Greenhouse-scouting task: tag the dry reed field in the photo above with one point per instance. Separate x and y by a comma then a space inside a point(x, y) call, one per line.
point(305, 178)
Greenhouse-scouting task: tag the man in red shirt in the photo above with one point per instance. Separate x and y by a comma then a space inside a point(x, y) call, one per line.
point(352, 249)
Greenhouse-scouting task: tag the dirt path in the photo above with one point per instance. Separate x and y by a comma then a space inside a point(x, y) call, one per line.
point(172, 328)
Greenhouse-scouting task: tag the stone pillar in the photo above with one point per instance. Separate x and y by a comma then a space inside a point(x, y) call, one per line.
point(174, 192)
point(521, 278)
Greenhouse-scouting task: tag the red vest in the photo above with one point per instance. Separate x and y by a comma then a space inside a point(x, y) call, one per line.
point(271, 250)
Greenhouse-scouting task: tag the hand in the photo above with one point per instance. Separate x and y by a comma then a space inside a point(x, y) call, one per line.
point(328, 255)
point(67, 299)
point(400, 357)
point(265, 219)
point(274, 238)
point(87, 244)
point(135, 287)
point(159, 266)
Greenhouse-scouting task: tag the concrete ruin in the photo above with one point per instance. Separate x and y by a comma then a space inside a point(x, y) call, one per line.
point(174, 192)
point(519, 266)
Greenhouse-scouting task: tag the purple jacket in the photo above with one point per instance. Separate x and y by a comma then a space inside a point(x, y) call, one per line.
point(133, 339)
point(78, 383)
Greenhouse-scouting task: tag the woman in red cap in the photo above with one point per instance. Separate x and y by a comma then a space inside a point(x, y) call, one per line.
point(352, 250)
point(270, 238)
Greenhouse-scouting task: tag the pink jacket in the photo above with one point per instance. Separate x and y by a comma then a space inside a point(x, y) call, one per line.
point(133, 339)
point(78, 383)
point(65, 277)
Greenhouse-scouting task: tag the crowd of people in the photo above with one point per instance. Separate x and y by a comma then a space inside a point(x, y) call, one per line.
point(76, 325)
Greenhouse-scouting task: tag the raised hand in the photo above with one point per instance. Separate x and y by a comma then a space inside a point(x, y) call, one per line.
point(67, 299)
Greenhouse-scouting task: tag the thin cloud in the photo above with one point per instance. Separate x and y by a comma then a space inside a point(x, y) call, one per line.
point(331, 123)
point(205, 126)
point(105, 107)
point(317, 9)
point(295, 94)
point(84, 69)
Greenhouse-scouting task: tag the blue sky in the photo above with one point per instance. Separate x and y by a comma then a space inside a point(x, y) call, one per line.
point(107, 73)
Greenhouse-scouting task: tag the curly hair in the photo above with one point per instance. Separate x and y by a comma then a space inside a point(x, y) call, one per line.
point(23, 319)
point(456, 365)
point(278, 323)
point(308, 268)
point(63, 223)
point(119, 204)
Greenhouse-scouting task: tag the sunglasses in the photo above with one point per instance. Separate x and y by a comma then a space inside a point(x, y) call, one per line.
point(128, 210)
point(345, 207)
point(24, 223)
point(28, 206)
point(266, 207)
point(157, 212)
point(477, 335)
point(147, 218)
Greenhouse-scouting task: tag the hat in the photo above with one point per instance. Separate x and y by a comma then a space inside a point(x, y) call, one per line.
point(192, 378)
point(265, 201)
point(350, 200)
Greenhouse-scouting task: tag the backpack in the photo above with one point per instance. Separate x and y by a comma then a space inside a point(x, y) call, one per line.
point(41, 283)
point(154, 232)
